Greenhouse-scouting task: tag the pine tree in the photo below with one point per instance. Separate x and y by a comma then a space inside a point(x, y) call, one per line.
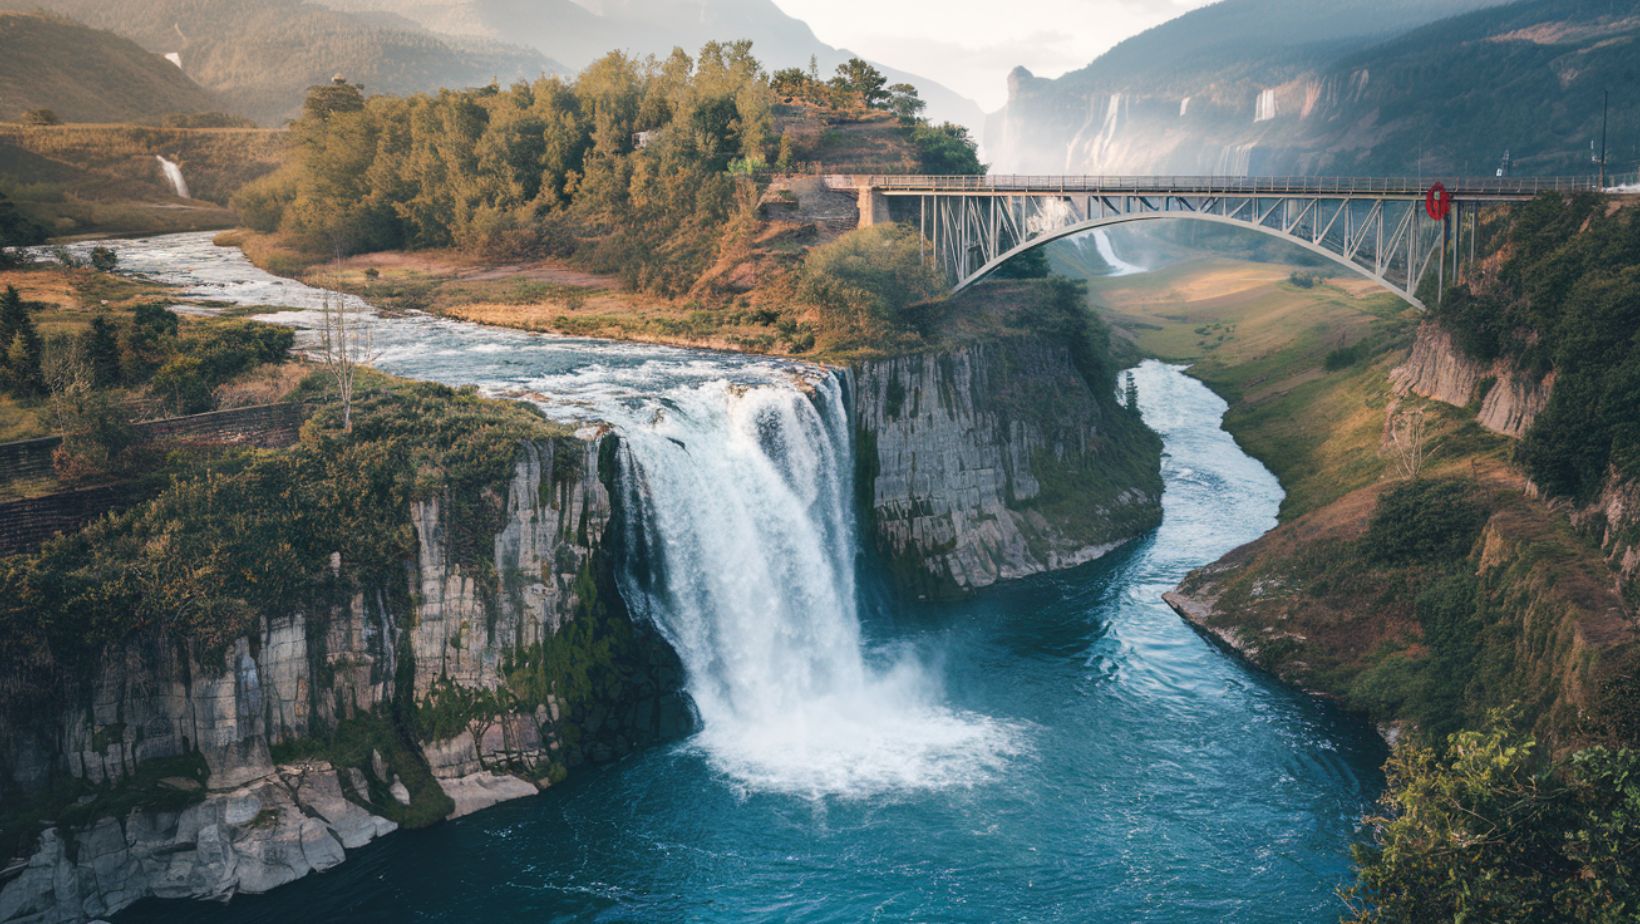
point(102, 353)
point(1132, 394)
point(12, 318)
point(23, 374)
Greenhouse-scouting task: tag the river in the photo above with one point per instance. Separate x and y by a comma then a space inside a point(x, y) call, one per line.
point(1063, 748)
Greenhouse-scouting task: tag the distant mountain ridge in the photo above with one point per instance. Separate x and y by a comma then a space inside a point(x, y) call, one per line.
point(1268, 87)
point(576, 34)
point(260, 56)
point(88, 75)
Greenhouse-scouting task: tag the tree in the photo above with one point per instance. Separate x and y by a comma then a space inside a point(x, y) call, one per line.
point(1131, 393)
point(41, 117)
point(327, 99)
point(863, 82)
point(946, 149)
point(904, 102)
point(1032, 264)
point(102, 353)
point(1488, 829)
point(20, 358)
point(868, 276)
point(346, 342)
point(104, 259)
point(1409, 444)
point(790, 82)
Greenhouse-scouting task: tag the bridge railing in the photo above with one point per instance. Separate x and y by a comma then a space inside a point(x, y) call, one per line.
point(1513, 187)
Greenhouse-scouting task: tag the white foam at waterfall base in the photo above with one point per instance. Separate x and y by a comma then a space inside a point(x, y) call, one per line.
point(741, 496)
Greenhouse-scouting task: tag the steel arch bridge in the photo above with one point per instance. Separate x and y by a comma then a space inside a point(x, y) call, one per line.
point(1377, 227)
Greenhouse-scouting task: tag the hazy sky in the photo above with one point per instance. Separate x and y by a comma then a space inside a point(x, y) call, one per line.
point(971, 45)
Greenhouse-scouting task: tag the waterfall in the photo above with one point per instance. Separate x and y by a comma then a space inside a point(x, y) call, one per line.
point(1265, 110)
point(741, 548)
point(174, 174)
point(1107, 253)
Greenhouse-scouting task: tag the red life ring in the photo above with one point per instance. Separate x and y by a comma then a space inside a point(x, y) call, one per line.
point(1437, 202)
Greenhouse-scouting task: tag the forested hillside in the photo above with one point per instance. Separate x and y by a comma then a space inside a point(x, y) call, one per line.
point(641, 169)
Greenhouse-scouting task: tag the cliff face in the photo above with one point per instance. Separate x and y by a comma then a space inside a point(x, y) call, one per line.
point(470, 685)
point(1509, 399)
point(995, 461)
point(1509, 403)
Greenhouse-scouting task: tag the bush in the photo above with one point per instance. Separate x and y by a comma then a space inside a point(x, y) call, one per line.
point(104, 259)
point(1493, 831)
point(211, 356)
point(867, 277)
point(1432, 522)
point(98, 441)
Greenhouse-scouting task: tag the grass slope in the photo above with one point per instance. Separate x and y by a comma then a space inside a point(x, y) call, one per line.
point(88, 75)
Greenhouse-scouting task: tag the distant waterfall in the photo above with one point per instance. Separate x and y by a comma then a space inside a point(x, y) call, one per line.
point(1107, 253)
point(741, 551)
point(173, 173)
point(1265, 110)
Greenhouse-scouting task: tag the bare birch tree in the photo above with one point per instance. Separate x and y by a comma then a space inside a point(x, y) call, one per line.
point(1409, 443)
point(346, 342)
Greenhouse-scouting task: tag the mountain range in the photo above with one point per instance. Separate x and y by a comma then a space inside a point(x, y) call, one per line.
point(259, 56)
point(1271, 87)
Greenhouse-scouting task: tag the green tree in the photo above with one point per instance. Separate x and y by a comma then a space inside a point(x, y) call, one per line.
point(904, 102)
point(790, 82)
point(862, 82)
point(946, 149)
point(20, 360)
point(868, 276)
point(102, 352)
point(1032, 264)
point(1488, 829)
point(104, 259)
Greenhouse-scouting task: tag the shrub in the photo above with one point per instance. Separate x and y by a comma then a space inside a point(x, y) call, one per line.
point(1432, 522)
point(1493, 831)
point(104, 259)
point(868, 276)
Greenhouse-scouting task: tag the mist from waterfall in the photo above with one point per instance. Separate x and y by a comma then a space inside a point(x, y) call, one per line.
point(742, 550)
point(173, 173)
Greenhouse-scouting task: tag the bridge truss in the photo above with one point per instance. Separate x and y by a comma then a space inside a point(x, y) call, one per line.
point(1376, 227)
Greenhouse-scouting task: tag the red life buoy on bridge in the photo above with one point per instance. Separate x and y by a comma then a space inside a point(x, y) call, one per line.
point(1437, 202)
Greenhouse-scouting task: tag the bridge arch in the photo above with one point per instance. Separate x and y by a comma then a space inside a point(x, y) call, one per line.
point(1059, 234)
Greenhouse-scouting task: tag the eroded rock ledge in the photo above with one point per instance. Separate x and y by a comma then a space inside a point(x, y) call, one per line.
point(995, 461)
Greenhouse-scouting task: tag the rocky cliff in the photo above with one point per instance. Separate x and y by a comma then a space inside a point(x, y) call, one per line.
point(208, 773)
point(1509, 398)
point(1509, 401)
point(994, 461)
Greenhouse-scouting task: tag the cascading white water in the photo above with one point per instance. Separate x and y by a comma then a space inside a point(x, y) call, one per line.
point(738, 505)
point(173, 173)
point(736, 483)
point(1107, 253)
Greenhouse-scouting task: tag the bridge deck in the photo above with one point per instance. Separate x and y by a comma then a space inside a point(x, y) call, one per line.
point(1491, 188)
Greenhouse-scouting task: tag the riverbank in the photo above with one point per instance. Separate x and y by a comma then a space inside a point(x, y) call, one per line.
point(1322, 602)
